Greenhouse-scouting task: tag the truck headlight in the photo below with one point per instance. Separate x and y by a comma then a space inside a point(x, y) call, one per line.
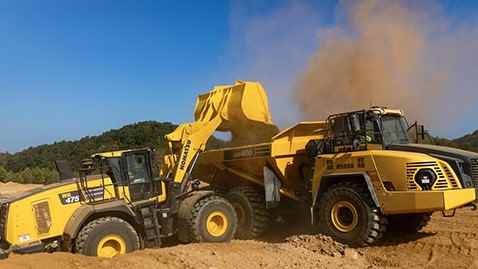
point(425, 178)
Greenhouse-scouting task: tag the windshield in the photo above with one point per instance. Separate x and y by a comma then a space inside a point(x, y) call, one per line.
point(394, 129)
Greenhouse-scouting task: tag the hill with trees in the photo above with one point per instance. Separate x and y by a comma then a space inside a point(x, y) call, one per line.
point(467, 142)
point(36, 164)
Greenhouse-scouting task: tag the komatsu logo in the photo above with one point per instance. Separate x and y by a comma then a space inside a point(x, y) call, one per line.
point(184, 156)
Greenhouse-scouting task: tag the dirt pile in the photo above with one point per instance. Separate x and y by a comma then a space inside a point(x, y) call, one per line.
point(320, 244)
point(11, 188)
point(238, 254)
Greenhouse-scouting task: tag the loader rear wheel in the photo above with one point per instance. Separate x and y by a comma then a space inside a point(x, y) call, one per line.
point(250, 206)
point(213, 219)
point(107, 237)
point(347, 213)
point(408, 223)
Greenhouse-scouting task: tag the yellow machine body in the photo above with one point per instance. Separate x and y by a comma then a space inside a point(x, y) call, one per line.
point(45, 212)
point(241, 108)
point(286, 156)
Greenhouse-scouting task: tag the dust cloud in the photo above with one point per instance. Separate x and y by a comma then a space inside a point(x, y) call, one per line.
point(318, 58)
point(388, 53)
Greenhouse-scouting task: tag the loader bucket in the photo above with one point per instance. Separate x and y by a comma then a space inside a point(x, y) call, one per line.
point(244, 109)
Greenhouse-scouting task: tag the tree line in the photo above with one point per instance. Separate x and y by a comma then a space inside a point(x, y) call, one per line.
point(36, 164)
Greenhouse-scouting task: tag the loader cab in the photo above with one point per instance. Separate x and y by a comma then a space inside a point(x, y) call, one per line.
point(131, 173)
point(361, 130)
point(137, 174)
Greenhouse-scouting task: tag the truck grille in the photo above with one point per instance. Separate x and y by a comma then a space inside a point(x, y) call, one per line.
point(443, 174)
point(474, 172)
point(451, 178)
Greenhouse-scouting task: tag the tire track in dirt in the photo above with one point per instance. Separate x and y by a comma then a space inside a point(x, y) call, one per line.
point(444, 243)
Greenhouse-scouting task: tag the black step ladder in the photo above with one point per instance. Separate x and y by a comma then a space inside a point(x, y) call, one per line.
point(152, 227)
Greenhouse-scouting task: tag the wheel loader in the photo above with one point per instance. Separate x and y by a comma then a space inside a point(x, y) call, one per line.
point(355, 175)
point(121, 202)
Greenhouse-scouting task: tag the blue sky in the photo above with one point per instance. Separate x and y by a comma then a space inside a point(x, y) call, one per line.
point(74, 68)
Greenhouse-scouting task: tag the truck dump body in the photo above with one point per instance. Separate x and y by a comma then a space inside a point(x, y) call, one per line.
point(233, 166)
point(285, 155)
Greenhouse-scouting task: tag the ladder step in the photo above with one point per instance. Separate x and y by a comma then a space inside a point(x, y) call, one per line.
point(148, 223)
point(146, 212)
point(151, 235)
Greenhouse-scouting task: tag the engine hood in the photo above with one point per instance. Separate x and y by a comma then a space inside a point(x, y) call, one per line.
point(437, 150)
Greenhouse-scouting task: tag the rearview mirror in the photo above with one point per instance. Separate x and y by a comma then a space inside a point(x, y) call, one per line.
point(416, 133)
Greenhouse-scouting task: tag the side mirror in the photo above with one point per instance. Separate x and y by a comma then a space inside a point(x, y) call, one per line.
point(421, 132)
point(417, 133)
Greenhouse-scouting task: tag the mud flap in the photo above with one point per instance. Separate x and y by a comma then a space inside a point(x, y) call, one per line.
point(272, 187)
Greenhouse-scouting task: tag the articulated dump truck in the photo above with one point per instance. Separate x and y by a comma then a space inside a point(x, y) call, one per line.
point(356, 175)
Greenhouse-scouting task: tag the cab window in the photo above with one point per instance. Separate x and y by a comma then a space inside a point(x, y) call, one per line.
point(137, 168)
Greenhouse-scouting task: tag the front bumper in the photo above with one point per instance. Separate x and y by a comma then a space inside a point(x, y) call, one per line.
point(425, 201)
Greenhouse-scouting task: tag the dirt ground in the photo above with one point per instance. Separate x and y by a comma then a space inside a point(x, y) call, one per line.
point(10, 188)
point(444, 243)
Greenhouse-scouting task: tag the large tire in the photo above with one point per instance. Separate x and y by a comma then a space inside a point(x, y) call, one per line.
point(347, 213)
point(107, 237)
point(213, 219)
point(252, 215)
point(407, 223)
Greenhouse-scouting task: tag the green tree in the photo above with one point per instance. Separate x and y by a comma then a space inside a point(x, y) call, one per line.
point(36, 164)
point(27, 175)
point(15, 177)
point(4, 174)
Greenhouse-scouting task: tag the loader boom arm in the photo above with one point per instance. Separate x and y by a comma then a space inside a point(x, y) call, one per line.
point(241, 109)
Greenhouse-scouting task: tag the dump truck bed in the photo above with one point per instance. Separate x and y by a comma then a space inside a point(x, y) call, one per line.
point(285, 155)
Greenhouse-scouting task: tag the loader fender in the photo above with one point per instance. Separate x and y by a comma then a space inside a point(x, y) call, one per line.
point(327, 181)
point(85, 212)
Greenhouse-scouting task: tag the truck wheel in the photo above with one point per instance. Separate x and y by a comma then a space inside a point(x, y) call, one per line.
point(408, 223)
point(347, 213)
point(250, 206)
point(213, 219)
point(107, 237)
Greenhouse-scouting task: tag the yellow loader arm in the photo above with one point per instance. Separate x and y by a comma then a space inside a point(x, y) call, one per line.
point(241, 109)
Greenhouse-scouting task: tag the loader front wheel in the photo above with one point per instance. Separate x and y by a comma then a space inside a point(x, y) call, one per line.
point(252, 215)
point(107, 237)
point(213, 219)
point(347, 213)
